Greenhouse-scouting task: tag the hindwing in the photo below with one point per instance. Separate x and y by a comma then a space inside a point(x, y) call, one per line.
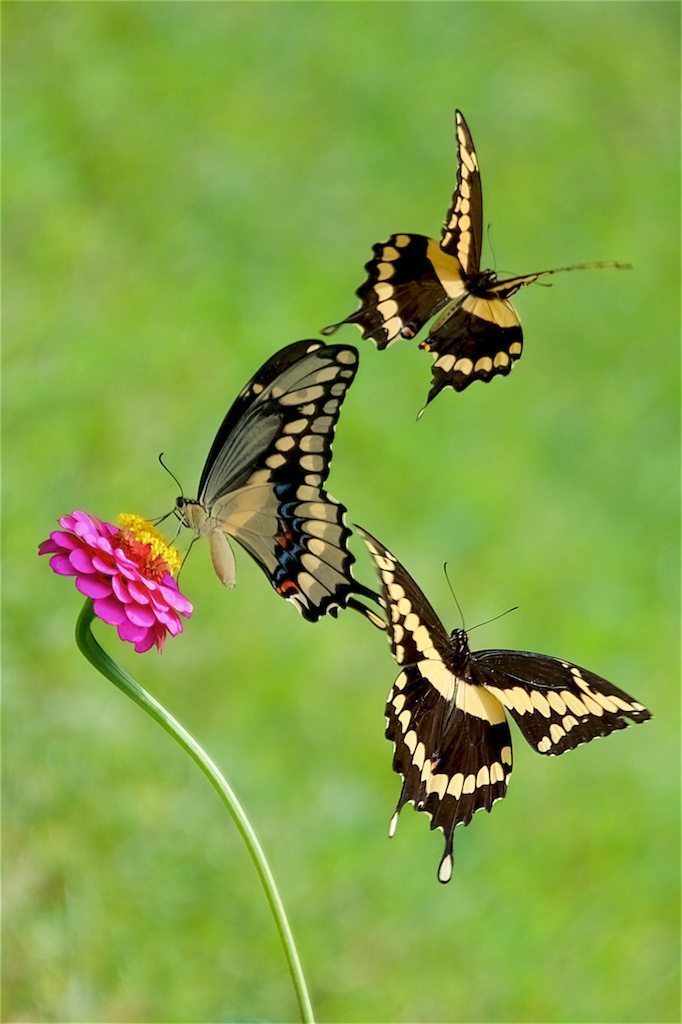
point(478, 339)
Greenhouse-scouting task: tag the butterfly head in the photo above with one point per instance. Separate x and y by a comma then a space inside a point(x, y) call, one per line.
point(190, 513)
point(481, 283)
point(460, 646)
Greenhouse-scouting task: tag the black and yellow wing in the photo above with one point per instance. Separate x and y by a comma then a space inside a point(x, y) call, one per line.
point(476, 340)
point(557, 705)
point(462, 233)
point(409, 279)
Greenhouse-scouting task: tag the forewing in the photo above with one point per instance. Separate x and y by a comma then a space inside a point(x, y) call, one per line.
point(265, 488)
point(452, 742)
point(276, 365)
point(557, 705)
point(282, 425)
point(409, 279)
point(463, 228)
point(477, 340)
point(415, 633)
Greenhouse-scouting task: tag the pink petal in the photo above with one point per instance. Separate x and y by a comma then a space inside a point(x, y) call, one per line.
point(62, 565)
point(138, 592)
point(81, 561)
point(139, 615)
point(120, 590)
point(103, 545)
point(149, 640)
point(85, 528)
point(174, 626)
point(93, 586)
point(110, 610)
point(125, 566)
point(48, 547)
point(107, 566)
point(149, 583)
point(64, 540)
point(68, 522)
point(164, 615)
point(91, 522)
point(127, 631)
point(176, 600)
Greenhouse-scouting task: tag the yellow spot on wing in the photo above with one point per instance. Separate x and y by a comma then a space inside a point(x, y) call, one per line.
point(455, 785)
point(469, 784)
point(446, 268)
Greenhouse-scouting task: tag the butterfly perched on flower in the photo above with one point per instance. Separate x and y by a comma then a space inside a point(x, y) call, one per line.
point(263, 481)
point(446, 711)
point(411, 278)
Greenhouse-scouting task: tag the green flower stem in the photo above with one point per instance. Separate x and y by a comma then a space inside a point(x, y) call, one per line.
point(108, 667)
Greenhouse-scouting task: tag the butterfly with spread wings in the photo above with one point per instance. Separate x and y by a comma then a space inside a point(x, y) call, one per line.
point(411, 278)
point(263, 482)
point(446, 715)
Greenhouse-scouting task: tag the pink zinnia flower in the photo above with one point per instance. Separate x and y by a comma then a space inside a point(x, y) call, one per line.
point(126, 570)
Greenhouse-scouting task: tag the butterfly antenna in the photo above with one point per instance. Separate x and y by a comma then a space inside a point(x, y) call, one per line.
point(459, 607)
point(162, 519)
point(177, 532)
point(495, 617)
point(490, 243)
point(171, 474)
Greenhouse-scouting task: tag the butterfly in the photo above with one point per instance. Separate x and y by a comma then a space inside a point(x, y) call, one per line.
point(446, 711)
point(263, 482)
point(411, 278)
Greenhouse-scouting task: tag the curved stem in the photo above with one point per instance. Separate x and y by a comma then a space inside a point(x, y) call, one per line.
point(108, 667)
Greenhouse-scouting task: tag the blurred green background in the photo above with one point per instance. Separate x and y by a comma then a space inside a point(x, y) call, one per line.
point(187, 188)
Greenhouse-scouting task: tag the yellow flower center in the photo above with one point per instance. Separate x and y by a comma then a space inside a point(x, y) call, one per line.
point(144, 532)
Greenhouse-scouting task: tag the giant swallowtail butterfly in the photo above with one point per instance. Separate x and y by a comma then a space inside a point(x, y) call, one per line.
point(446, 710)
point(411, 278)
point(263, 481)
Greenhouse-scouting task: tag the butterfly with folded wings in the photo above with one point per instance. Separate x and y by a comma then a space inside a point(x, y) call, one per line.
point(411, 278)
point(446, 711)
point(262, 483)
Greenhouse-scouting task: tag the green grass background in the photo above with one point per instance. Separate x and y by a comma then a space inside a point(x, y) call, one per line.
point(187, 188)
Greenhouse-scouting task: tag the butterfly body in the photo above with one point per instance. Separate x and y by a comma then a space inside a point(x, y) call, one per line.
point(194, 515)
point(263, 481)
point(411, 278)
point(446, 712)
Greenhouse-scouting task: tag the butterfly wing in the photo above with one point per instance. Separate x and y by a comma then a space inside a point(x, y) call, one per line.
point(463, 228)
point(480, 336)
point(557, 705)
point(213, 477)
point(409, 279)
point(263, 480)
point(478, 339)
point(452, 742)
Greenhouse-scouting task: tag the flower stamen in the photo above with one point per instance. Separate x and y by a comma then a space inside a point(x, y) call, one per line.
point(144, 543)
